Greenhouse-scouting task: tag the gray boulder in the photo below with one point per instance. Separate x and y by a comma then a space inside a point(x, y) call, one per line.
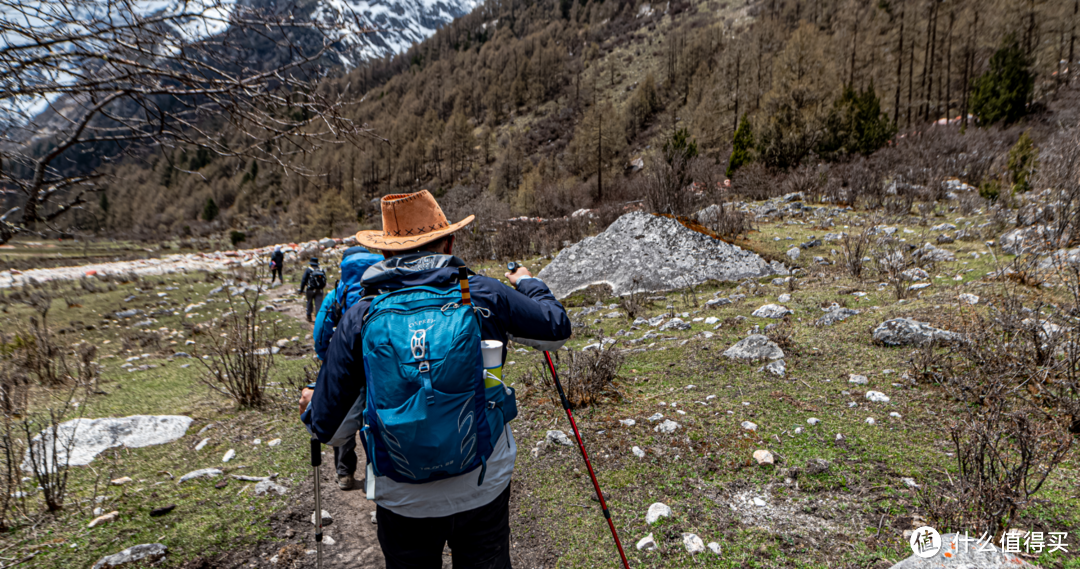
point(754, 348)
point(675, 324)
point(964, 555)
point(644, 252)
point(772, 311)
point(931, 254)
point(144, 554)
point(200, 473)
point(1026, 239)
point(268, 486)
point(908, 332)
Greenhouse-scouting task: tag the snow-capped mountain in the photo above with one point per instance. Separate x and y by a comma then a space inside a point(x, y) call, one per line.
point(399, 23)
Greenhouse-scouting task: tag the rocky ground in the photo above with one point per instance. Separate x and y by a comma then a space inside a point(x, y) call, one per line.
point(778, 418)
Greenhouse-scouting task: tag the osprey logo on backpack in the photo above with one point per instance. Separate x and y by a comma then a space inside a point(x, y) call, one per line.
point(428, 415)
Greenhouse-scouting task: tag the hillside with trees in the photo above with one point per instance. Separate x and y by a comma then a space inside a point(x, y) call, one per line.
point(542, 108)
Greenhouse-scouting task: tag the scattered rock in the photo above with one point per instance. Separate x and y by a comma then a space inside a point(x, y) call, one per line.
point(638, 452)
point(870, 421)
point(201, 444)
point(628, 422)
point(909, 482)
point(274, 443)
point(968, 298)
point(813, 421)
point(749, 426)
point(784, 298)
point(656, 417)
point(144, 554)
point(915, 274)
point(201, 473)
point(877, 397)
point(270, 487)
point(772, 311)
point(817, 466)
point(104, 519)
point(714, 547)
point(675, 324)
point(326, 518)
point(693, 543)
point(229, 454)
point(558, 438)
point(711, 320)
point(656, 511)
point(158, 512)
point(931, 254)
point(753, 348)
point(794, 253)
point(667, 427)
point(858, 379)
point(777, 368)
point(836, 314)
point(647, 543)
point(644, 252)
point(764, 457)
point(907, 332)
point(759, 502)
point(120, 481)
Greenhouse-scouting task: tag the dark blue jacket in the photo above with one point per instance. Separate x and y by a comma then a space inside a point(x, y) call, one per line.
point(530, 312)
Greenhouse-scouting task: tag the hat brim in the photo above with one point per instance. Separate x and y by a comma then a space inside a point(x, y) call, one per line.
point(377, 239)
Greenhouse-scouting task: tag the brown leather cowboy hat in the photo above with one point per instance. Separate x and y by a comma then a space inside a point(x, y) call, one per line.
point(409, 221)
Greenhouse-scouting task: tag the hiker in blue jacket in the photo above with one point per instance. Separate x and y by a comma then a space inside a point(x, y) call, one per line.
point(354, 261)
point(469, 511)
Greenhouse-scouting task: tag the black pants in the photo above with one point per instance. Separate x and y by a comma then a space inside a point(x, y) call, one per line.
point(314, 299)
point(479, 538)
point(345, 457)
point(276, 271)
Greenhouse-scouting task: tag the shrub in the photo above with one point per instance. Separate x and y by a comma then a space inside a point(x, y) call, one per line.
point(210, 210)
point(856, 124)
point(990, 190)
point(1023, 159)
point(742, 147)
point(240, 356)
point(590, 375)
point(237, 237)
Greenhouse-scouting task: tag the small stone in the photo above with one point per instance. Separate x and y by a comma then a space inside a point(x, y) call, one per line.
point(714, 547)
point(760, 503)
point(798, 430)
point(870, 421)
point(143, 554)
point(784, 298)
point(858, 379)
point(201, 473)
point(327, 540)
point(99, 511)
point(772, 311)
point(777, 368)
point(749, 426)
point(839, 437)
point(793, 253)
point(647, 543)
point(104, 519)
point(158, 512)
point(656, 417)
point(877, 397)
point(693, 543)
point(256, 442)
point(229, 454)
point(895, 415)
point(628, 422)
point(817, 466)
point(558, 438)
point(711, 320)
point(909, 482)
point(656, 511)
point(274, 443)
point(638, 452)
point(968, 298)
point(326, 518)
point(813, 421)
point(763, 457)
point(120, 481)
point(667, 427)
point(201, 444)
point(222, 484)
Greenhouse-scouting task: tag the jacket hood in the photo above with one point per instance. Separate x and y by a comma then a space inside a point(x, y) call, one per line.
point(412, 270)
point(355, 263)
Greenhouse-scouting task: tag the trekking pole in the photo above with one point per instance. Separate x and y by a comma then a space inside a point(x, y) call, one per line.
point(316, 461)
point(512, 267)
point(585, 455)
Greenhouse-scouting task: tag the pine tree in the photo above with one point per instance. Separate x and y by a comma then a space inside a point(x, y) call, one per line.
point(1023, 159)
point(1002, 93)
point(741, 147)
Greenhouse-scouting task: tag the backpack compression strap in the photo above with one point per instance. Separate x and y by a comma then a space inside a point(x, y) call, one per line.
point(463, 278)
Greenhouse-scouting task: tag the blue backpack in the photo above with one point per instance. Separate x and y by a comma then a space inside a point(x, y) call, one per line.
point(428, 414)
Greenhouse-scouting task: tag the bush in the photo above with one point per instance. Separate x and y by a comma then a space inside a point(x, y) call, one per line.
point(1002, 93)
point(741, 147)
point(1023, 159)
point(237, 237)
point(990, 190)
point(590, 375)
point(210, 210)
point(856, 124)
point(240, 355)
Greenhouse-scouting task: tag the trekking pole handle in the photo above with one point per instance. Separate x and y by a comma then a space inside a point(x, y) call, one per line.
point(512, 266)
point(316, 452)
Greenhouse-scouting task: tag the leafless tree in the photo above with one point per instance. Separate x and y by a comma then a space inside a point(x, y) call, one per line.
point(84, 83)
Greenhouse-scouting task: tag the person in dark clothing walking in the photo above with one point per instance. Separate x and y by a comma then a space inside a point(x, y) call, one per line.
point(470, 511)
point(277, 263)
point(312, 285)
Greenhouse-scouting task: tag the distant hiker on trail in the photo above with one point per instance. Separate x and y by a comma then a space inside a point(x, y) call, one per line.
point(312, 285)
point(439, 452)
point(346, 293)
point(277, 262)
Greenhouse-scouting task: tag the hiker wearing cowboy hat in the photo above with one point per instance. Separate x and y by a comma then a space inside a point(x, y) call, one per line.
point(419, 512)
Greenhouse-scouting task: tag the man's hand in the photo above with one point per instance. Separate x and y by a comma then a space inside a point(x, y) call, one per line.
point(305, 398)
point(517, 275)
